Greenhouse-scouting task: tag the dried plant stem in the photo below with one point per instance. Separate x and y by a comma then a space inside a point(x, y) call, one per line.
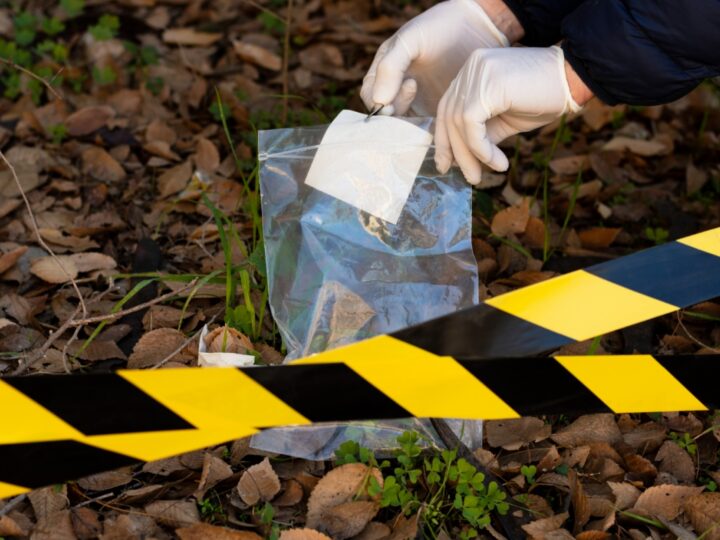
point(35, 76)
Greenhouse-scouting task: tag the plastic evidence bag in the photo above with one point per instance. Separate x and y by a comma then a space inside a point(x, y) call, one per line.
point(362, 237)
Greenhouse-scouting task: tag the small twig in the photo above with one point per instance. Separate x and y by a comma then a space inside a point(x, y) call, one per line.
point(12, 503)
point(134, 309)
point(286, 61)
point(35, 76)
point(693, 338)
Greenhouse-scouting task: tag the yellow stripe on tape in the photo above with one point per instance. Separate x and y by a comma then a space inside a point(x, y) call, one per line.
point(9, 490)
point(631, 383)
point(215, 399)
point(708, 241)
point(25, 420)
point(421, 382)
point(580, 305)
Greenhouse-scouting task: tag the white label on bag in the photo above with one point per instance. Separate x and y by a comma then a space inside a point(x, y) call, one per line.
point(370, 165)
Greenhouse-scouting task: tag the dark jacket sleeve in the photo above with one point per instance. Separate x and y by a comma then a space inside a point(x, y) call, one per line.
point(541, 19)
point(643, 52)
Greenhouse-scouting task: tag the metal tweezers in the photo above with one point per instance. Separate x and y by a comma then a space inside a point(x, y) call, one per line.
point(372, 113)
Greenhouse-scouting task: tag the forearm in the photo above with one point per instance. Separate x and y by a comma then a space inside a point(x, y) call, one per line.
point(503, 18)
point(579, 91)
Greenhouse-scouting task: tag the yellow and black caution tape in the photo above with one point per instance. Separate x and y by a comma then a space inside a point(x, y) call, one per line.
point(472, 364)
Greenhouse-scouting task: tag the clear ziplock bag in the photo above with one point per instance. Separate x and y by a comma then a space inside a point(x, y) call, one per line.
point(338, 274)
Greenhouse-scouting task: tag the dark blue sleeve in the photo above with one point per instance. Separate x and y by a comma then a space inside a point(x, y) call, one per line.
point(643, 52)
point(541, 19)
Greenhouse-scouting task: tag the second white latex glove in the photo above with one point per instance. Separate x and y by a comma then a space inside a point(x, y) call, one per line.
point(416, 65)
point(496, 94)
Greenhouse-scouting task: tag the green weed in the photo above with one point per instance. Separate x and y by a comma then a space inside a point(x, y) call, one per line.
point(657, 235)
point(684, 441)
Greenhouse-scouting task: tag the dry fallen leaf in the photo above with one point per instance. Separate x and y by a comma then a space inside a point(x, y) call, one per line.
point(87, 262)
point(205, 531)
point(174, 179)
point(579, 501)
point(348, 519)
point(159, 316)
point(107, 480)
point(302, 534)
point(88, 119)
point(514, 433)
point(513, 219)
point(190, 36)
point(55, 526)
point(665, 501)
point(156, 345)
point(291, 495)
point(258, 483)
point(405, 528)
point(257, 55)
point(626, 495)
point(374, 531)
point(15, 524)
point(646, 437)
point(158, 130)
point(8, 260)
point(337, 487)
point(570, 164)
point(174, 513)
point(126, 526)
point(214, 471)
point(636, 146)
point(695, 178)
point(704, 513)
point(46, 501)
point(538, 529)
point(100, 165)
point(598, 237)
point(227, 339)
point(676, 461)
point(207, 157)
point(59, 269)
point(86, 523)
point(588, 429)
point(58, 238)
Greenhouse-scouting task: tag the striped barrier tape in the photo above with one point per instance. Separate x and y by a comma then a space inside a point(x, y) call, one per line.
point(62, 428)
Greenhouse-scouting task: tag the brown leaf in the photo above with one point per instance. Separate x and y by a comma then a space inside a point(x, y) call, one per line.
point(646, 437)
point(54, 526)
point(534, 235)
point(337, 487)
point(100, 165)
point(514, 433)
point(75, 243)
point(665, 501)
point(538, 529)
point(87, 262)
point(96, 351)
point(676, 461)
point(214, 471)
point(190, 36)
point(15, 524)
point(138, 496)
point(695, 179)
point(626, 494)
point(161, 149)
point(227, 339)
point(88, 119)
point(129, 526)
point(570, 164)
point(598, 237)
point(302, 534)
point(205, 531)
point(159, 316)
point(85, 523)
point(59, 269)
point(173, 513)
point(257, 55)
point(579, 501)
point(107, 480)
point(704, 513)
point(8, 260)
point(596, 114)
point(639, 468)
point(636, 146)
point(258, 483)
point(593, 535)
point(174, 179)
point(158, 130)
point(156, 345)
point(291, 495)
point(405, 528)
point(46, 501)
point(207, 157)
point(348, 519)
point(513, 219)
point(588, 429)
point(374, 531)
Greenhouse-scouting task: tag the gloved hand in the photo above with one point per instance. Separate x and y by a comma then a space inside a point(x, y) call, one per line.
point(496, 94)
point(417, 64)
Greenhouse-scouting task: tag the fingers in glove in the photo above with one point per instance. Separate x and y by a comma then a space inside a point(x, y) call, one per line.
point(391, 69)
point(366, 91)
point(464, 156)
point(443, 152)
point(405, 97)
point(472, 124)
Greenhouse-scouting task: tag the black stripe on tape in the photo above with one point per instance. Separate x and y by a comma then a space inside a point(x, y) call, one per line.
point(115, 406)
point(674, 273)
point(481, 331)
point(35, 465)
point(700, 374)
point(326, 392)
point(534, 386)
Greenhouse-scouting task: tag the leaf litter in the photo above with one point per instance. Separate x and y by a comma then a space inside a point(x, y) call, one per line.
point(115, 161)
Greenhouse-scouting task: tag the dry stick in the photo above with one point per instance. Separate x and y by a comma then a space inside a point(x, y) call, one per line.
point(693, 338)
point(35, 76)
point(286, 61)
point(12, 503)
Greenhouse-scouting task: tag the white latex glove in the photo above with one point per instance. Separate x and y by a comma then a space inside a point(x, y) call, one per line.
point(417, 64)
point(498, 93)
